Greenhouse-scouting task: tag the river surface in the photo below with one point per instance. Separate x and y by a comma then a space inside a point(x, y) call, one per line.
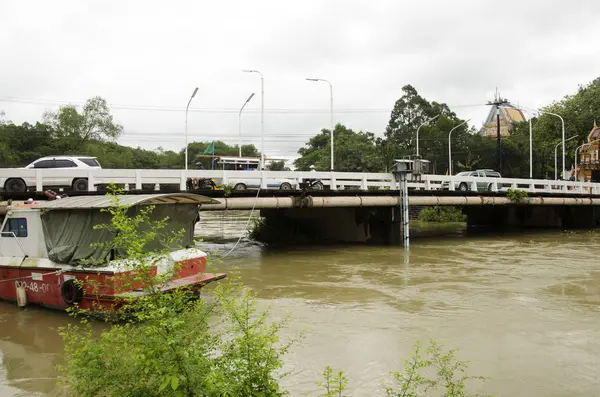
point(522, 308)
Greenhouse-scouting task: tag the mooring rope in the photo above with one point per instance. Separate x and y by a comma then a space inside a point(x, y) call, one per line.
point(246, 228)
point(31, 276)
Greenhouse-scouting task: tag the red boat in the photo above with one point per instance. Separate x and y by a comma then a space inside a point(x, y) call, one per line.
point(46, 246)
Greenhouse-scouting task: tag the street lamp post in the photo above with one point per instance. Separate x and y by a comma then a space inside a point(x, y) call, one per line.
point(262, 116)
point(186, 126)
point(562, 122)
point(426, 122)
point(555, 156)
point(240, 124)
point(330, 113)
point(450, 146)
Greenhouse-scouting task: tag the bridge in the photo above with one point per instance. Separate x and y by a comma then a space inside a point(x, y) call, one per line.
point(351, 207)
point(160, 179)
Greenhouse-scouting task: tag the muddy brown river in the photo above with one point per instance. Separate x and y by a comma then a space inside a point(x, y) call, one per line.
point(522, 308)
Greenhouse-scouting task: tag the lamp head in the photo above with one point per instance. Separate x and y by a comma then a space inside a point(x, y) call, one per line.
point(195, 91)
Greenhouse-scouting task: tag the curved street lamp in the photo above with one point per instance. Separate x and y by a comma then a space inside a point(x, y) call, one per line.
point(450, 146)
point(186, 126)
point(555, 156)
point(330, 113)
point(262, 115)
point(424, 123)
point(240, 123)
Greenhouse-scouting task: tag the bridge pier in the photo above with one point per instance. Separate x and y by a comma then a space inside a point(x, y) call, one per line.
point(371, 225)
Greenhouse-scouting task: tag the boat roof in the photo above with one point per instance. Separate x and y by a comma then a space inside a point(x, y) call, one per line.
point(97, 202)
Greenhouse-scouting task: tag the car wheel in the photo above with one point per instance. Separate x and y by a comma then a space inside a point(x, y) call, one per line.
point(80, 185)
point(14, 185)
point(318, 186)
point(463, 187)
point(285, 186)
point(240, 186)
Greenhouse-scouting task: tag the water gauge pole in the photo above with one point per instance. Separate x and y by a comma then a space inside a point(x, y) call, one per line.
point(403, 168)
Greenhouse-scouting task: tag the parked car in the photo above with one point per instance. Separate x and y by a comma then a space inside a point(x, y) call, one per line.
point(22, 184)
point(481, 186)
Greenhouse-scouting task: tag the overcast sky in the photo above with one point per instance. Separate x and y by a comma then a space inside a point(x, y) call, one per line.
point(146, 57)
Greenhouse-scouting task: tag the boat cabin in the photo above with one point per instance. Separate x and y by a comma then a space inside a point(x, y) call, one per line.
point(63, 231)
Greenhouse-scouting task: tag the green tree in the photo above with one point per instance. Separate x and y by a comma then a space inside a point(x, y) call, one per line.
point(277, 166)
point(76, 127)
point(409, 112)
point(353, 151)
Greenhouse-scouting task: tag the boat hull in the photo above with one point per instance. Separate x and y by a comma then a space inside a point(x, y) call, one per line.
point(95, 290)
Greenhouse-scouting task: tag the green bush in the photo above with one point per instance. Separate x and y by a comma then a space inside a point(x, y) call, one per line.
point(442, 214)
point(516, 195)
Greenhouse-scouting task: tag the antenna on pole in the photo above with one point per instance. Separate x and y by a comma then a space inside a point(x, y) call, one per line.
point(498, 101)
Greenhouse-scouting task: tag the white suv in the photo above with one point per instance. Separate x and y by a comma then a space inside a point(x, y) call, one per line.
point(20, 184)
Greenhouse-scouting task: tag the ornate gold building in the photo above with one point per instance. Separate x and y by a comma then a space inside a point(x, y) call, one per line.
point(588, 168)
point(508, 115)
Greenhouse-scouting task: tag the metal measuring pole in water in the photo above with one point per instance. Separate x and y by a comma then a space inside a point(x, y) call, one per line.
point(403, 168)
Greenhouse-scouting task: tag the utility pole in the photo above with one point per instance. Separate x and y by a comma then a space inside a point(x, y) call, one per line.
point(497, 103)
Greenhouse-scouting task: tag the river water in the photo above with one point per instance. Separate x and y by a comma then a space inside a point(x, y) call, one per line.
point(522, 308)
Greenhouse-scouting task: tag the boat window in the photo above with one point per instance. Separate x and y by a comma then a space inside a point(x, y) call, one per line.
point(18, 226)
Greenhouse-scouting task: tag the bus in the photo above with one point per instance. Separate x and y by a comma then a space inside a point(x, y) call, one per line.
point(231, 163)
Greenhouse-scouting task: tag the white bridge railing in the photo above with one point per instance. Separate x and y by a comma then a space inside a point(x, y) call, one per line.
point(134, 179)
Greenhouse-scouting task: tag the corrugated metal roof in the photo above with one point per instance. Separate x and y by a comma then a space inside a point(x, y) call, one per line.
point(96, 202)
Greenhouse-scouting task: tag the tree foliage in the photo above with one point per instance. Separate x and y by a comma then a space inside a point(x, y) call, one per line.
point(94, 121)
point(92, 131)
point(469, 149)
point(353, 151)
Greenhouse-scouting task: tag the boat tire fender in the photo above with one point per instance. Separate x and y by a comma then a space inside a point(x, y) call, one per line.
point(71, 292)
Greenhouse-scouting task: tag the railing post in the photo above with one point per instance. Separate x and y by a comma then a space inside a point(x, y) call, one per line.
point(224, 179)
point(138, 180)
point(39, 186)
point(363, 183)
point(427, 185)
point(183, 181)
point(91, 182)
point(332, 182)
point(474, 186)
point(263, 180)
point(451, 184)
point(126, 187)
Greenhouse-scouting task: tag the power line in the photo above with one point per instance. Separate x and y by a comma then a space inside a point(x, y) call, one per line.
point(164, 108)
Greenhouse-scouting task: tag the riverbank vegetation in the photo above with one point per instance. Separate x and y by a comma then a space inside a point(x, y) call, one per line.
point(445, 214)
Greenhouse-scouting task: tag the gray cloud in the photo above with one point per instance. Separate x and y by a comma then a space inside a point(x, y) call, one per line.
point(154, 53)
